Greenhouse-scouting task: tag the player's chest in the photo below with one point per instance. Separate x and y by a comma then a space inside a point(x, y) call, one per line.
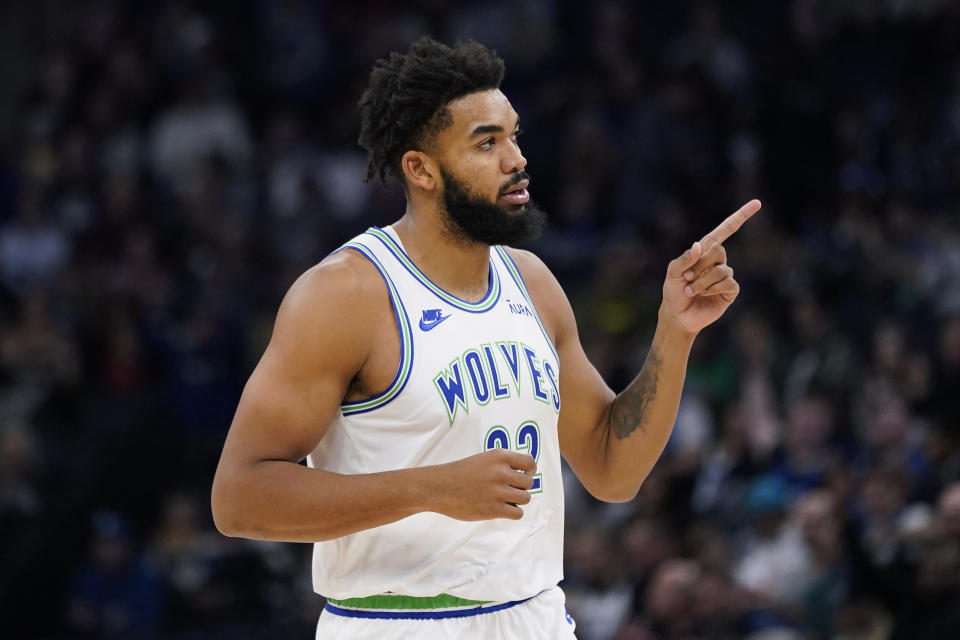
point(464, 363)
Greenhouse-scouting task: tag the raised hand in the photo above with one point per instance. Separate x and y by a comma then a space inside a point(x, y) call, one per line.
point(699, 285)
point(485, 486)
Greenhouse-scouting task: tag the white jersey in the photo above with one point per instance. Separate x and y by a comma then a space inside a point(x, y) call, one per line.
point(472, 376)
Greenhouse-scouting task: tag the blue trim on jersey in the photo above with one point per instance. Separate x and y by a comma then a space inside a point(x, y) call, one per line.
point(449, 298)
point(393, 390)
point(421, 615)
point(515, 273)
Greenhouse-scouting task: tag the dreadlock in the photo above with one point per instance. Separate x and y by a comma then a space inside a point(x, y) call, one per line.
point(405, 103)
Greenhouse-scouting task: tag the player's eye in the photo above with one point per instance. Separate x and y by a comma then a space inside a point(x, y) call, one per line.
point(517, 134)
point(486, 145)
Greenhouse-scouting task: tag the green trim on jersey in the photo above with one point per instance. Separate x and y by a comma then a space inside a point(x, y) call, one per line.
point(488, 301)
point(408, 603)
point(515, 272)
point(406, 348)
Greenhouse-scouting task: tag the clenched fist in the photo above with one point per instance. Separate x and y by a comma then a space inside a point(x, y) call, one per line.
point(488, 485)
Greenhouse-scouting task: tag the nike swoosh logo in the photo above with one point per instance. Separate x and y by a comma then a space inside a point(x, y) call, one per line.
point(426, 326)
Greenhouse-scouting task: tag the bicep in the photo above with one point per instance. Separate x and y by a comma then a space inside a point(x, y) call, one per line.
point(585, 401)
point(296, 389)
point(282, 416)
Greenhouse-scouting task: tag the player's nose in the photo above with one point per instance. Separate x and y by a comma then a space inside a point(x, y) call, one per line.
point(514, 160)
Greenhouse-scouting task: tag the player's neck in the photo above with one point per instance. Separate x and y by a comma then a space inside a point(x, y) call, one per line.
point(460, 269)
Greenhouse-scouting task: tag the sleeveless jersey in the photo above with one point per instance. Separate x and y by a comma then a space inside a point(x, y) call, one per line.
point(472, 376)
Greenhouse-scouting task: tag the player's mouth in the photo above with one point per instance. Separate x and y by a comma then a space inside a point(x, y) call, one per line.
point(517, 194)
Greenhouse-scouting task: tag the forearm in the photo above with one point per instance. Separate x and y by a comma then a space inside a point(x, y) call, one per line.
point(638, 422)
point(283, 501)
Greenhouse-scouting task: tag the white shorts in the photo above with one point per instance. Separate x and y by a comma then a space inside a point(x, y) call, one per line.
point(542, 617)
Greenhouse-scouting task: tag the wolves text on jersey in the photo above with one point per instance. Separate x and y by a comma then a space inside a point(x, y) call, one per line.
point(492, 372)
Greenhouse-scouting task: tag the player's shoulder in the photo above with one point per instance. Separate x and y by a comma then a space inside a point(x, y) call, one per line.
point(548, 296)
point(536, 275)
point(336, 287)
point(344, 274)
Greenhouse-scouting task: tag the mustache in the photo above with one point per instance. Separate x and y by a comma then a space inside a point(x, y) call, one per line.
point(523, 175)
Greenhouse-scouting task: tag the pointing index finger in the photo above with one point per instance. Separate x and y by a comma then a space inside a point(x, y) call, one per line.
point(730, 226)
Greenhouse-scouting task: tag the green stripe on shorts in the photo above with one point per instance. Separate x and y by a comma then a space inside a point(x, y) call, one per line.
point(399, 602)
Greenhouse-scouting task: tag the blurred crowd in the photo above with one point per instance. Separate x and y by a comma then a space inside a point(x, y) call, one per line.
point(168, 169)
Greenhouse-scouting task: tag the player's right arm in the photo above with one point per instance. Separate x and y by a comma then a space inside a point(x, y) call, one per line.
point(321, 341)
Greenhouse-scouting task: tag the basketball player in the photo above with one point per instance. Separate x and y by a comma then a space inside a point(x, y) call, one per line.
point(432, 377)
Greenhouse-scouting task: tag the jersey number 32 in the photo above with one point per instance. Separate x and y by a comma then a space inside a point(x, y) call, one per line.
point(527, 441)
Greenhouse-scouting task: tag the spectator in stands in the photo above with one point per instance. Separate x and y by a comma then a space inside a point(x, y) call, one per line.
point(117, 592)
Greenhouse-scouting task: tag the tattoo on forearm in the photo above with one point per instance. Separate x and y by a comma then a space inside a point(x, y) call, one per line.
point(629, 410)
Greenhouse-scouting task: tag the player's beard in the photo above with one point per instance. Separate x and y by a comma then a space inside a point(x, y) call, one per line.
point(473, 219)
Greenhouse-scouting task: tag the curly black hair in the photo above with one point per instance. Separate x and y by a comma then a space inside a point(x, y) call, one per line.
point(405, 103)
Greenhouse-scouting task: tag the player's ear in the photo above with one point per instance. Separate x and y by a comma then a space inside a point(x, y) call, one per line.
point(419, 169)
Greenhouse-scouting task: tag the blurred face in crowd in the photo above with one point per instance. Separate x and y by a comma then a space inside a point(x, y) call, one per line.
point(484, 191)
point(890, 423)
point(816, 516)
point(888, 346)
point(111, 545)
point(669, 596)
point(884, 493)
point(18, 451)
point(948, 510)
point(713, 596)
point(810, 423)
point(590, 554)
point(753, 340)
point(950, 341)
point(645, 543)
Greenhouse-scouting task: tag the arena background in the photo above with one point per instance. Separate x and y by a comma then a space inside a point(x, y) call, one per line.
point(167, 170)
